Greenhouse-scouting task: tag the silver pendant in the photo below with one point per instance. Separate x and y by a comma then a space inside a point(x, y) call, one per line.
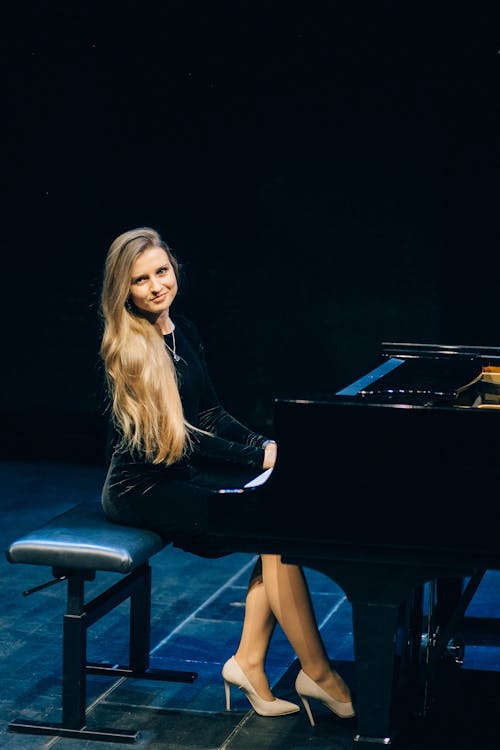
point(176, 357)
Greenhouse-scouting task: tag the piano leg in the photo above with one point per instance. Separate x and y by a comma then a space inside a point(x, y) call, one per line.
point(376, 592)
point(374, 634)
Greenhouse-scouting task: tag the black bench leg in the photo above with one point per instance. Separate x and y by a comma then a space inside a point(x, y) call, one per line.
point(139, 643)
point(74, 693)
point(140, 624)
point(74, 658)
point(78, 618)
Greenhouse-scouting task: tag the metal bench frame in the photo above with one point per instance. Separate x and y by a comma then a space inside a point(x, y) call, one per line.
point(80, 615)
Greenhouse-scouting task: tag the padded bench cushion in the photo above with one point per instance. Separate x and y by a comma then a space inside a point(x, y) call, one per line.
point(82, 538)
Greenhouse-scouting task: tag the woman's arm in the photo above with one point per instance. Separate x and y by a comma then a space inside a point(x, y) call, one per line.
point(228, 438)
point(216, 448)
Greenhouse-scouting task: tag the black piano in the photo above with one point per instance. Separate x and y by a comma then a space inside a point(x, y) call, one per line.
point(384, 486)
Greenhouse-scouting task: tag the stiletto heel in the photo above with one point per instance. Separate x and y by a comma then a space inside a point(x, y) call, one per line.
point(307, 688)
point(228, 695)
point(308, 709)
point(232, 674)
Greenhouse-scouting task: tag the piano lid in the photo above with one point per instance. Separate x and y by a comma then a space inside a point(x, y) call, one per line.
point(427, 378)
point(423, 373)
point(487, 354)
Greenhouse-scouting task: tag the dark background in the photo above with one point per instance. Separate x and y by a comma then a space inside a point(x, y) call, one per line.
point(327, 173)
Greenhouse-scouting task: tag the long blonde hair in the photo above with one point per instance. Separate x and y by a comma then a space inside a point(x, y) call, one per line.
point(140, 374)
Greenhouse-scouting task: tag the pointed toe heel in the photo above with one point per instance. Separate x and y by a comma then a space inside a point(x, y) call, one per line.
point(307, 688)
point(232, 674)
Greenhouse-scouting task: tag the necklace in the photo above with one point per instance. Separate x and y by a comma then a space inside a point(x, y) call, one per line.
point(172, 348)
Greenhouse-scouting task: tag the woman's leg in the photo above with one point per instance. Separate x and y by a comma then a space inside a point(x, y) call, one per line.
point(290, 601)
point(258, 627)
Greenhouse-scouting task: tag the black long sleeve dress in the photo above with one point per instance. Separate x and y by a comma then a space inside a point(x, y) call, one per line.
point(174, 500)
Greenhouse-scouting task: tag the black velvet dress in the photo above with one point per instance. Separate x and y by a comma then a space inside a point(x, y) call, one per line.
point(176, 500)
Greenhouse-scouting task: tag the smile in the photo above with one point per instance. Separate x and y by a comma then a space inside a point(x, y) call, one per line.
point(159, 297)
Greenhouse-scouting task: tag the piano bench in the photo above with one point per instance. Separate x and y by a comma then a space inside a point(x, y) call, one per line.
point(77, 544)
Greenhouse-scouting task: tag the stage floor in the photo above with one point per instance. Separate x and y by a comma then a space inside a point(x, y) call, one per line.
point(197, 612)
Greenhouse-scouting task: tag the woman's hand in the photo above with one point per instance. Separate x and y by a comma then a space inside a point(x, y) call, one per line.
point(270, 452)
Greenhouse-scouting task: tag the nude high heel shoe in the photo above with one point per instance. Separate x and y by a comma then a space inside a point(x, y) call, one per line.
point(307, 688)
point(232, 674)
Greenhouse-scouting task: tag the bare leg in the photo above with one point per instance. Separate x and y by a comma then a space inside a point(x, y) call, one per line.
point(258, 627)
point(289, 599)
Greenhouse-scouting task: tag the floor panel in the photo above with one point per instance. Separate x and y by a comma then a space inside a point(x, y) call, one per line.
point(197, 611)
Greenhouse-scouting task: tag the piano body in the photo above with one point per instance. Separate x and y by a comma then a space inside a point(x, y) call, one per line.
point(388, 484)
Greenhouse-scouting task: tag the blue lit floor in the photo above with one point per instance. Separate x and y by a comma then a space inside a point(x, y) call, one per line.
point(197, 613)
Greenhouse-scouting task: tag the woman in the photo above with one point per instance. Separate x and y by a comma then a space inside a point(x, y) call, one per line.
point(174, 446)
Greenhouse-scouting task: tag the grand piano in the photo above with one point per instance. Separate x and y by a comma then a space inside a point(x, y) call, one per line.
point(384, 486)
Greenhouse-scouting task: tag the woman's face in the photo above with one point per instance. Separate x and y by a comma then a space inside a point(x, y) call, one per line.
point(153, 284)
